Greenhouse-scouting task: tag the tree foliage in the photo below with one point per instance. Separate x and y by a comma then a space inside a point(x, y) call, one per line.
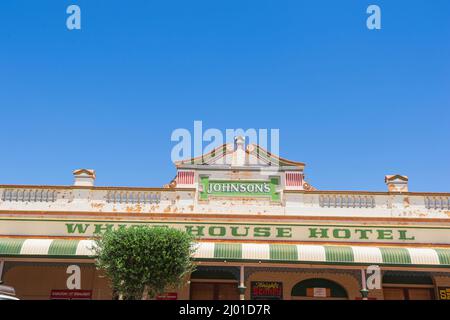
point(144, 260)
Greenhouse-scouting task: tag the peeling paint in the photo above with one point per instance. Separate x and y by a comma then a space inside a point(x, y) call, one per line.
point(168, 209)
point(134, 209)
point(406, 203)
point(97, 205)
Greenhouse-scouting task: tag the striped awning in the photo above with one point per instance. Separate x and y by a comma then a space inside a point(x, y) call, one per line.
point(249, 252)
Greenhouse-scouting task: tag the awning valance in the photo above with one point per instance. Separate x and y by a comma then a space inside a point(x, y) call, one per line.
point(249, 252)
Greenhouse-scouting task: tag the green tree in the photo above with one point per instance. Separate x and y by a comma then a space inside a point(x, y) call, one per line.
point(143, 261)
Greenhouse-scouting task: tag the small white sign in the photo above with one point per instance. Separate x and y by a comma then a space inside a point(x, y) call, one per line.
point(320, 292)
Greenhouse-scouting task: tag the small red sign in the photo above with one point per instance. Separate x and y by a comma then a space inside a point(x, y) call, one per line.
point(71, 295)
point(265, 290)
point(167, 296)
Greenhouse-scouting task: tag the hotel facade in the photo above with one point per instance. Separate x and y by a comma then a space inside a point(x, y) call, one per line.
point(263, 233)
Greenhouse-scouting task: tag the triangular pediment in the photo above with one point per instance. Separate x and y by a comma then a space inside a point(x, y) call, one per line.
point(236, 155)
point(214, 157)
point(238, 163)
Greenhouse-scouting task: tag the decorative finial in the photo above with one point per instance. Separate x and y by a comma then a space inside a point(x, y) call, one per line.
point(240, 142)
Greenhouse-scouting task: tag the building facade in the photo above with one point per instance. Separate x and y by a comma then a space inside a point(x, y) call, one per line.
point(263, 233)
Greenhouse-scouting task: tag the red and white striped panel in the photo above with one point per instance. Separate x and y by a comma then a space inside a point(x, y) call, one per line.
point(185, 177)
point(294, 179)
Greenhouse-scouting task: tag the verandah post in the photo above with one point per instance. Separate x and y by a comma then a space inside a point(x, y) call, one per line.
point(241, 284)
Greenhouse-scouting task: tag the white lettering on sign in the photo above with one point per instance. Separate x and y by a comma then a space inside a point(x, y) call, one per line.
point(239, 187)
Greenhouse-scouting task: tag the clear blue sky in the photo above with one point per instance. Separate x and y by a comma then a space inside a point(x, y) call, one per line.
point(352, 104)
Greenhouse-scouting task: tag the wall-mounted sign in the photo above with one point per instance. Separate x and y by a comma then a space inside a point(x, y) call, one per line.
point(320, 292)
point(219, 188)
point(234, 231)
point(444, 293)
point(167, 296)
point(266, 290)
point(71, 295)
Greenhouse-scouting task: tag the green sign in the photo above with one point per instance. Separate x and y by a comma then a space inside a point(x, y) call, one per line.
point(250, 189)
point(231, 230)
point(299, 233)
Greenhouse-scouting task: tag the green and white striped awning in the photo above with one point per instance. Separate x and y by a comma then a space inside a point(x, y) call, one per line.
point(249, 252)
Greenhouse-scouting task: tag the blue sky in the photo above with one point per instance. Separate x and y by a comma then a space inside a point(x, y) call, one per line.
point(351, 103)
